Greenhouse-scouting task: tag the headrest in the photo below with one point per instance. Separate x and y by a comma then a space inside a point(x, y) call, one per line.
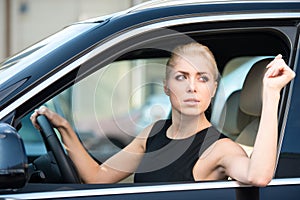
point(251, 94)
point(235, 120)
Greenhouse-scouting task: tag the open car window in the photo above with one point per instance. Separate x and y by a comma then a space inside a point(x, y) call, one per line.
point(118, 92)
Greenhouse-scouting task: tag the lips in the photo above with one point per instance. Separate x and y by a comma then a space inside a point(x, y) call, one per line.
point(191, 101)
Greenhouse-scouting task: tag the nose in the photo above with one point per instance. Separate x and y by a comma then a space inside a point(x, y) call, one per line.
point(191, 86)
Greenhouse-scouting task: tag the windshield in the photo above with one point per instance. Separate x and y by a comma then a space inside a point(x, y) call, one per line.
point(30, 55)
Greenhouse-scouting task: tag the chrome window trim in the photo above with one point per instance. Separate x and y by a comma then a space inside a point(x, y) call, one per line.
point(144, 189)
point(131, 33)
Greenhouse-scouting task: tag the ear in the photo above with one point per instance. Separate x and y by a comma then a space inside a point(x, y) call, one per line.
point(166, 88)
point(215, 89)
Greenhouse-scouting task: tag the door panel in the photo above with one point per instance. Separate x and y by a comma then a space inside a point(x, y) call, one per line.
point(279, 192)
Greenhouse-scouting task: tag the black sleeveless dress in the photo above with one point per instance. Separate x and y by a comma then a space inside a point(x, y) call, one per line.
point(169, 160)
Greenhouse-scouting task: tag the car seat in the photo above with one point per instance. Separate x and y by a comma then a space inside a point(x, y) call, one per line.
point(241, 114)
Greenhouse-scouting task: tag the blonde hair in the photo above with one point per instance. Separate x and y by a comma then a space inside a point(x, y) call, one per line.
point(193, 49)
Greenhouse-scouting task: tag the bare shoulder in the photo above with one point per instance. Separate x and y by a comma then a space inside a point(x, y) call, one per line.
point(139, 141)
point(221, 148)
point(229, 147)
point(146, 131)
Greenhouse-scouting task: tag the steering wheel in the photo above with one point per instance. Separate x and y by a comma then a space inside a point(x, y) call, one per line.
point(65, 165)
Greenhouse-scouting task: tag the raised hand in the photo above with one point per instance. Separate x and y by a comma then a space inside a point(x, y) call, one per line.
point(278, 74)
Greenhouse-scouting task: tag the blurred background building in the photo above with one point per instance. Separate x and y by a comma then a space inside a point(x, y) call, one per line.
point(25, 22)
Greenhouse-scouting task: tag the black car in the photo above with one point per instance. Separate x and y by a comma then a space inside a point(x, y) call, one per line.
point(105, 75)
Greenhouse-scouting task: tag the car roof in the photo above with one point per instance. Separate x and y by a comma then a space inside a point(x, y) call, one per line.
point(166, 3)
point(161, 4)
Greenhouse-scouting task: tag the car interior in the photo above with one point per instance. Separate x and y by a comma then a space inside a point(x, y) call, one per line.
point(240, 115)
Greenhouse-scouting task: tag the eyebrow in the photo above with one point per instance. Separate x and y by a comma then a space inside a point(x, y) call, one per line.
point(187, 73)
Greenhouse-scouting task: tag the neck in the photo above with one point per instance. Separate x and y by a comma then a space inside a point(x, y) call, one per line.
point(186, 126)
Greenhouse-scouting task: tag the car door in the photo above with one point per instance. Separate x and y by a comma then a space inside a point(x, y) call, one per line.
point(127, 71)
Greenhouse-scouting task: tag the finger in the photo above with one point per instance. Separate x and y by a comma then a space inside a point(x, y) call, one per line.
point(33, 119)
point(290, 73)
point(278, 57)
point(33, 116)
point(42, 110)
point(271, 69)
point(270, 64)
point(278, 67)
point(277, 72)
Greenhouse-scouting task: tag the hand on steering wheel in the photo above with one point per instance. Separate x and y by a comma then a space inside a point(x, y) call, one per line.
point(65, 165)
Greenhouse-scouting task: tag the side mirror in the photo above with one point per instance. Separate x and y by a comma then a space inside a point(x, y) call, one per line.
point(13, 159)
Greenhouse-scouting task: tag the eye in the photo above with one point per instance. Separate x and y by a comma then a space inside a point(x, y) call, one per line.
point(203, 78)
point(180, 77)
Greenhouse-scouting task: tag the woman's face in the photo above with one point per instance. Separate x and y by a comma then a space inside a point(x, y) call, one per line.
point(190, 85)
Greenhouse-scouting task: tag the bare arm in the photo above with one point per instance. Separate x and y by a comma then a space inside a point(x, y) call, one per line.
point(259, 169)
point(120, 166)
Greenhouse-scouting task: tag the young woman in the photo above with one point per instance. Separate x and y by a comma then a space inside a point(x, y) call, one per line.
point(187, 147)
